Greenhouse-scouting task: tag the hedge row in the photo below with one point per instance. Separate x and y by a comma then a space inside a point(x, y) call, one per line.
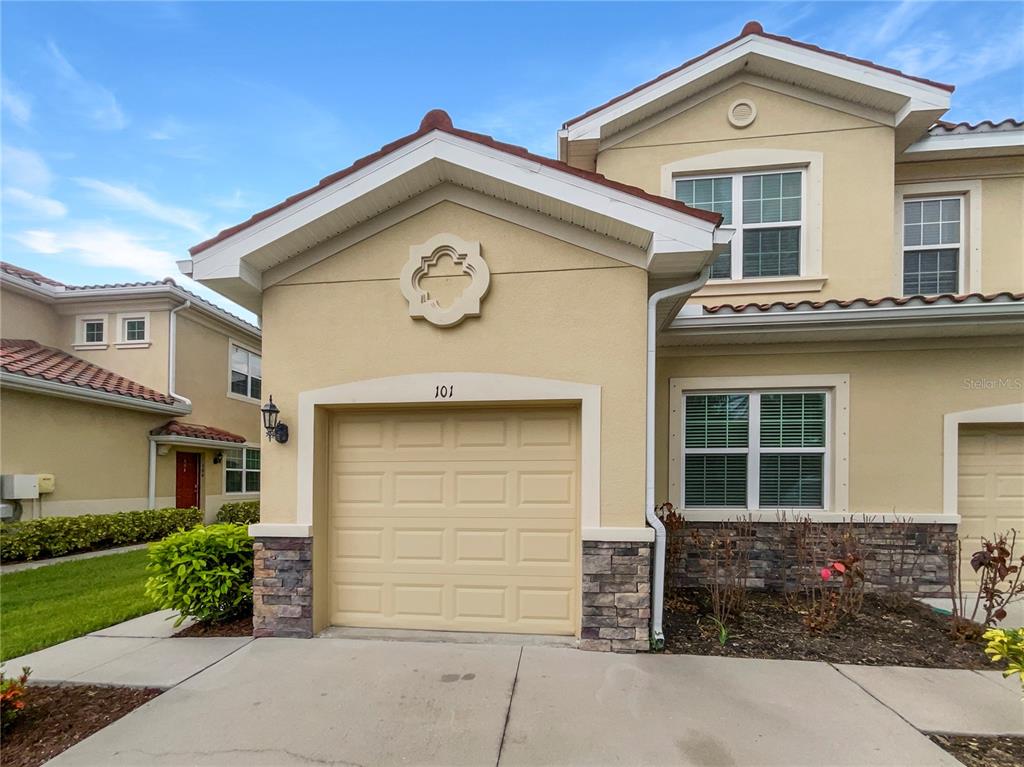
point(240, 513)
point(57, 536)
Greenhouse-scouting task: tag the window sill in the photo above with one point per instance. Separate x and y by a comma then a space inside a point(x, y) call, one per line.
point(133, 344)
point(815, 515)
point(801, 284)
point(243, 398)
point(90, 346)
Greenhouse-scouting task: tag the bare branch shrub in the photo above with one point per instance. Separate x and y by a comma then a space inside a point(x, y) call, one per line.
point(999, 585)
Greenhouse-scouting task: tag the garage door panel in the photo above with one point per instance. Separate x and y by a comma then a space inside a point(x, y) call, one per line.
point(990, 496)
point(467, 520)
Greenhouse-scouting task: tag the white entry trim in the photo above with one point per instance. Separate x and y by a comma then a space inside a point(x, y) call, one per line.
point(1012, 413)
point(422, 388)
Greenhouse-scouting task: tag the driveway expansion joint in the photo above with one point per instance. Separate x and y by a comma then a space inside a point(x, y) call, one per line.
point(508, 711)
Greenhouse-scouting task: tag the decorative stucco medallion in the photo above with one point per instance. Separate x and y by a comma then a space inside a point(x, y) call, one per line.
point(445, 279)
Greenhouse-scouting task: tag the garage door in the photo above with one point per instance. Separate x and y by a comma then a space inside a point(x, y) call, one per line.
point(454, 519)
point(990, 485)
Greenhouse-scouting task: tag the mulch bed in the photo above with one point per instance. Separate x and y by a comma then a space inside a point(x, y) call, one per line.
point(910, 634)
point(57, 717)
point(239, 627)
point(981, 751)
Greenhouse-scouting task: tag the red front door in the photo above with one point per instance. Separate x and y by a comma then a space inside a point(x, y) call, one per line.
point(186, 484)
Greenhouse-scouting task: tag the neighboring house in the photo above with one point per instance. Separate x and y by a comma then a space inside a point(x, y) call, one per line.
point(460, 337)
point(131, 396)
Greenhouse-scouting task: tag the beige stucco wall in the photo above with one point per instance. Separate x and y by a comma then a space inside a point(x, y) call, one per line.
point(146, 365)
point(202, 375)
point(1002, 213)
point(857, 194)
point(97, 454)
point(554, 311)
point(899, 392)
point(25, 317)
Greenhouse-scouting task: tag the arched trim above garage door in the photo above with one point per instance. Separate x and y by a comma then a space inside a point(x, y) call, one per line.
point(450, 388)
point(1012, 413)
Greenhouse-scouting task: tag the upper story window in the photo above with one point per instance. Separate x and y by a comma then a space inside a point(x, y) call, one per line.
point(766, 210)
point(133, 329)
point(90, 331)
point(755, 450)
point(93, 331)
point(933, 239)
point(246, 372)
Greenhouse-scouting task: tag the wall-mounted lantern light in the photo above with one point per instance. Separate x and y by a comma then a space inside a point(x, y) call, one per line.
point(218, 457)
point(274, 428)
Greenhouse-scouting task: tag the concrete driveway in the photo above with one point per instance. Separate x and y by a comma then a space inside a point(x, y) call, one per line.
point(372, 702)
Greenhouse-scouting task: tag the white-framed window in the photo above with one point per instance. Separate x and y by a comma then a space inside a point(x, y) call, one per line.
point(756, 449)
point(242, 470)
point(91, 331)
point(246, 372)
point(766, 209)
point(933, 245)
point(133, 329)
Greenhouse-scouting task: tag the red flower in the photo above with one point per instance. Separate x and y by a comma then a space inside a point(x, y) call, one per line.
point(826, 574)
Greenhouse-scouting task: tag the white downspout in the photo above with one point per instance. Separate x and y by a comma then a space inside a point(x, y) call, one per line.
point(172, 355)
point(658, 592)
point(151, 486)
point(172, 358)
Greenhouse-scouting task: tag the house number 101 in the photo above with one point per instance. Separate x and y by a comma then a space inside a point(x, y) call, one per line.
point(444, 392)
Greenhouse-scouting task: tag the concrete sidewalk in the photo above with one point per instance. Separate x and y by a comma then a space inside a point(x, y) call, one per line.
point(136, 653)
point(359, 702)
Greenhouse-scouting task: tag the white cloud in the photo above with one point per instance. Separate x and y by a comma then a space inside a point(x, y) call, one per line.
point(101, 245)
point(133, 199)
point(235, 201)
point(167, 130)
point(15, 103)
point(95, 102)
point(25, 169)
point(36, 204)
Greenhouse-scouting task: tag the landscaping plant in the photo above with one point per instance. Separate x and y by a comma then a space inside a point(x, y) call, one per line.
point(727, 553)
point(1000, 583)
point(57, 536)
point(12, 692)
point(904, 559)
point(204, 573)
point(1008, 645)
point(240, 513)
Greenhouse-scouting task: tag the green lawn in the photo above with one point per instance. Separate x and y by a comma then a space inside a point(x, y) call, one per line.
point(52, 604)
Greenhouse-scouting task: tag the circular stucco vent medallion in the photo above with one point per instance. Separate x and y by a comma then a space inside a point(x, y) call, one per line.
point(444, 280)
point(742, 113)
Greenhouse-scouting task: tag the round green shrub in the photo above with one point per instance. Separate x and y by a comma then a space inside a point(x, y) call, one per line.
point(203, 573)
point(240, 513)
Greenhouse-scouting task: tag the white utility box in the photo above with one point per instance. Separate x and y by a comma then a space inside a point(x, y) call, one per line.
point(16, 487)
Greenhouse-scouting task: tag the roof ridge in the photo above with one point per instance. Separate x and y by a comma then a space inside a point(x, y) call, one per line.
point(438, 119)
point(27, 274)
point(755, 29)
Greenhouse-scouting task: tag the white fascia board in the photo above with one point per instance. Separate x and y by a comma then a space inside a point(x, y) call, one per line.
point(962, 141)
point(225, 259)
point(920, 95)
point(763, 320)
point(67, 391)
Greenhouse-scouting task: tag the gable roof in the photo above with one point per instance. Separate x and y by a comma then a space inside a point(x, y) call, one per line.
point(440, 161)
point(438, 119)
point(910, 103)
point(754, 28)
point(59, 290)
point(27, 359)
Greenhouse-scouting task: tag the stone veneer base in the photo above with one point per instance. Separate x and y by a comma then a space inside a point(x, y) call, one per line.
point(909, 557)
point(282, 587)
point(616, 596)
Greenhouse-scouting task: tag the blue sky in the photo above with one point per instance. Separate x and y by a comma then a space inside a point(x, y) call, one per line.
point(133, 130)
